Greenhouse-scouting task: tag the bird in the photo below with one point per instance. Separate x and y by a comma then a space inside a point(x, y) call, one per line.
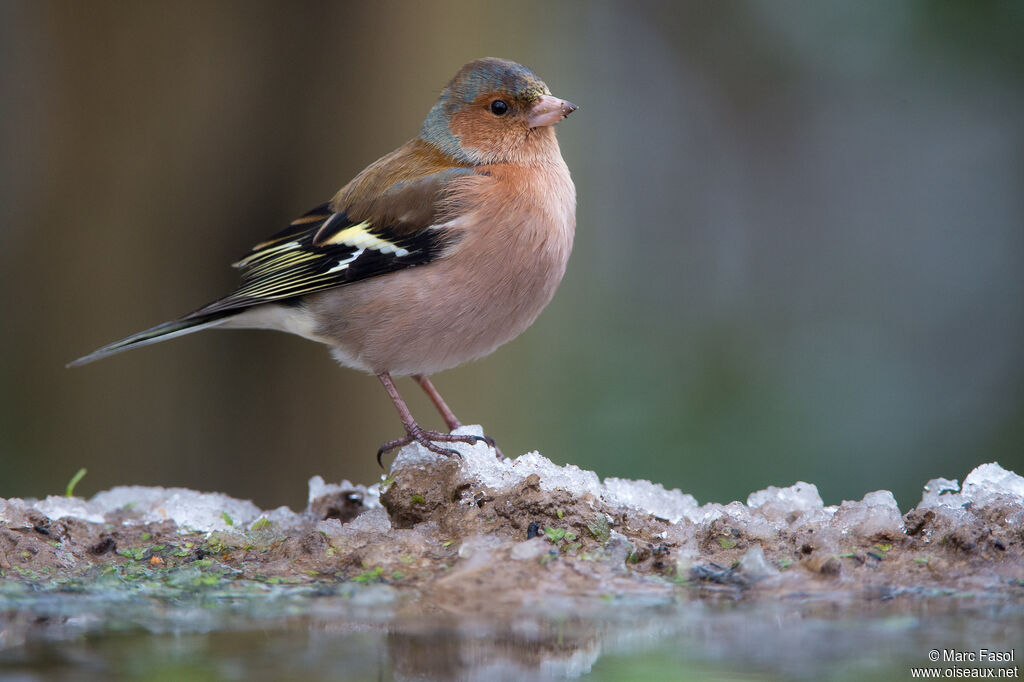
point(433, 256)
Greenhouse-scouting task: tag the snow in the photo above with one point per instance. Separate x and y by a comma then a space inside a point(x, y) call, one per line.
point(989, 482)
point(876, 514)
point(530, 550)
point(755, 566)
point(140, 504)
point(480, 463)
point(796, 505)
point(318, 488)
point(987, 485)
point(671, 505)
point(373, 521)
point(766, 514)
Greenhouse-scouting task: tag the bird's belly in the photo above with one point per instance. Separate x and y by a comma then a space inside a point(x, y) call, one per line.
point(434, 317)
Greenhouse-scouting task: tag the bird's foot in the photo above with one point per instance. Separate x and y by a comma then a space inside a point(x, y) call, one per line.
point(429, 440)
point(494, 446)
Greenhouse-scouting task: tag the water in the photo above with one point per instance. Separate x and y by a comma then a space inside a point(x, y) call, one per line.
point(373, 633)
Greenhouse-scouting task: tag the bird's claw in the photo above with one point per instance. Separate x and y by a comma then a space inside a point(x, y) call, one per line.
point(429, 439)
point(491, 444)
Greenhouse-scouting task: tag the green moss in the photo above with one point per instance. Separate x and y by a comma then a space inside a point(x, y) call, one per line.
point(26, 573)
point(278, 580)
point(227, 518)
point(726, 542)
point(262, 523)
point(554, 534)
point(133, 553)
point(371, 576)
point(417, 499)
point(184, 550)
point(599, 528)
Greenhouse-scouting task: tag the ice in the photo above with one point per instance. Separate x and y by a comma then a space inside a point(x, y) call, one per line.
point(618, 549)
point(796, 505)
point(187, 508)
point(755, 566)
point(528, 550)
point(374, 521)
point(989, 482)
point(480, 548)
point(553, 477)
point(479, 463)
point(284, 517)
point(767, 516)
point(672, 505)
point(738, 516)
point(318, 488)
point(766, 513)
point(940, 492)
point(57, 507)
point(13, 513)
point(478, 460)
point(333, 529)
point(876, 514)
point(987, 485)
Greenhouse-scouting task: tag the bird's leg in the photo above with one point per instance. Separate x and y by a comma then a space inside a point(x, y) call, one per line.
point(413, 431)
point(450, 420)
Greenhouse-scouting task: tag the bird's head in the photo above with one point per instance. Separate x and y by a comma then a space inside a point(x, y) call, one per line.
point(494, 111)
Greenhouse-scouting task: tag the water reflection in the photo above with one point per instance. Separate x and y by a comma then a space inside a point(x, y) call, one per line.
point(371, 634)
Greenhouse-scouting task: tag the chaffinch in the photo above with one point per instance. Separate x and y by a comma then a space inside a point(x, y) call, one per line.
point(434, 255)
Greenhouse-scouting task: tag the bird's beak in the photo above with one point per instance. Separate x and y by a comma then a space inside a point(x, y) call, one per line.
point(548, 110)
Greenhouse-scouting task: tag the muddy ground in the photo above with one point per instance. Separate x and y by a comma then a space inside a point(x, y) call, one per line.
point(447, 538)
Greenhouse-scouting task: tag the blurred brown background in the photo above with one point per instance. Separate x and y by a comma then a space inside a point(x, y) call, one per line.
point(799, 253)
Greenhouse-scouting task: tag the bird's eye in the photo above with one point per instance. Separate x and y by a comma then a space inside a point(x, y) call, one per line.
point(499, 107)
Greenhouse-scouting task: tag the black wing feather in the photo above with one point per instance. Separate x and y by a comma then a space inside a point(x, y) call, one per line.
point(305, 258)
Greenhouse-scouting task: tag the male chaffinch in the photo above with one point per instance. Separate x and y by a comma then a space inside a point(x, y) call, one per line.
point(434, 255)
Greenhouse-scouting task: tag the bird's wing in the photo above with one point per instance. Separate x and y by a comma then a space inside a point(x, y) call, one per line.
point(326, 248)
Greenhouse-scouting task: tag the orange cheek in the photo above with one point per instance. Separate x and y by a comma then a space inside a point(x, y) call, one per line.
point(473, 129)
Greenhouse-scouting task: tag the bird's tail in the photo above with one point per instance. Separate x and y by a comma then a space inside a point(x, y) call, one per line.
point(161, 332)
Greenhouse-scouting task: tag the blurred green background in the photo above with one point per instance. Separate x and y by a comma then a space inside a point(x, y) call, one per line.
point(799, 247)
